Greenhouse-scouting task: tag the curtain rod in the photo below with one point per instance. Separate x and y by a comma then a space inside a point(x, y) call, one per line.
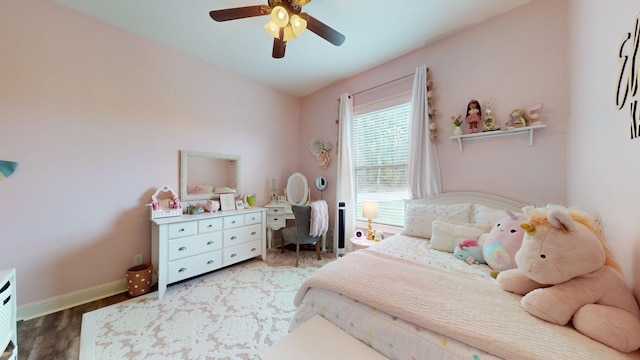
point(383, 84)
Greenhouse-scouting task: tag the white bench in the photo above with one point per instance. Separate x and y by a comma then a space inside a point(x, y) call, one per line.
point(318, 339)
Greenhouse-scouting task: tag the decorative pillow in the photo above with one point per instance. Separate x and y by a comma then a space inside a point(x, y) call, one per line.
point(418, 217)
point(447, 235)
point(486, 216)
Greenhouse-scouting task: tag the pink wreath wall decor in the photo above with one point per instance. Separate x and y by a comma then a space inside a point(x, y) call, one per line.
point(320, 150)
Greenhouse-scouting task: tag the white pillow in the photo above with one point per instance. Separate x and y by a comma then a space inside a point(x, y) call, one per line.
point(447, 235)
point(419, 217)
point(486, 216)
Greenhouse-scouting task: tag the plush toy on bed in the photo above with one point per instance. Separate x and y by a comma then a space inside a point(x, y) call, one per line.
point(502, 242)
point(469, 251)
point(566, 272)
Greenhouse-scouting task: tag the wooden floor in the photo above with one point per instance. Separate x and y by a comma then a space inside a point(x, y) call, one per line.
point(57, 336)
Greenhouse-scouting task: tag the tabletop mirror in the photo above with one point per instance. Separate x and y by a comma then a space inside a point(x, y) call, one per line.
point(297, 190)
point(205, 175)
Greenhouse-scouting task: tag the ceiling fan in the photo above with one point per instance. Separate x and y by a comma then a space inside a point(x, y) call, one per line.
point(287, 22)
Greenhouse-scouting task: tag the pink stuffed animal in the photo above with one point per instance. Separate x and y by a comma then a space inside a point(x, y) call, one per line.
point(566, 273)
point(499, 249)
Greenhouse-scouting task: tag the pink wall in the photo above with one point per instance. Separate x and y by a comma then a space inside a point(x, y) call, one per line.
point(519, 59)
point(96, 117)
point(602, 162)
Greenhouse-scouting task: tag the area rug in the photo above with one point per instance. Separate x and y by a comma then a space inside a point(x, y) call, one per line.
point(233, 313)
point(307, 258)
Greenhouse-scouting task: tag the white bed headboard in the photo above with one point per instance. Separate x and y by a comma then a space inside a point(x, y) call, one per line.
point(491, 200)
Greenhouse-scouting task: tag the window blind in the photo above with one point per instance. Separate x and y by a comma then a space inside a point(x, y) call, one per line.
point(381, 148)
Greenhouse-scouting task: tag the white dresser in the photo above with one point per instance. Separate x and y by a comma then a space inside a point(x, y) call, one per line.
point(8, 325)
point(191, 245)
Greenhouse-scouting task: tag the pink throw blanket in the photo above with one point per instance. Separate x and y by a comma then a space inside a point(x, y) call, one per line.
point(319, 218)
point(475, 312)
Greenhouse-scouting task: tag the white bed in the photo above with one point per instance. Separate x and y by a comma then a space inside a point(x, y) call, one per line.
point(410, 301)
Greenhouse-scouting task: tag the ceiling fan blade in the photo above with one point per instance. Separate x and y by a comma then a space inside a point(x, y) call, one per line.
point(239, 13)
point(323, 30)
point(279, 47)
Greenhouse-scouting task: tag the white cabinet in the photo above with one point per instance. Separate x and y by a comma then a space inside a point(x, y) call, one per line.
point(8, 325)
point(191, 245)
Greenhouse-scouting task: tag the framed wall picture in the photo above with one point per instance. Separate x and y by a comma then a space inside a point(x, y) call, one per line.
point(239, 204)
point(227, 202)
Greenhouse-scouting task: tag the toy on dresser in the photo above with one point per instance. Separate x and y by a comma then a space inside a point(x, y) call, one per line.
point(566, 273)
point(165, 203)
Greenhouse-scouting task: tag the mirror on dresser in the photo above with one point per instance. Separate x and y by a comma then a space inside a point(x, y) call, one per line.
point(201, 173)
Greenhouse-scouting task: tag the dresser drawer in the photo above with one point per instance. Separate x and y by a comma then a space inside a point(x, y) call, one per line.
point(234, 254)
point(182, 229)
point(233, 221)
point(240, 235)
point(209, 225)
point(195, 265)
point(193, 245)
point(252, 218)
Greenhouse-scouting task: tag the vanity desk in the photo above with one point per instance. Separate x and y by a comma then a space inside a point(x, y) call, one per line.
point(279, 209)
point(191, 245)
point(277, 218)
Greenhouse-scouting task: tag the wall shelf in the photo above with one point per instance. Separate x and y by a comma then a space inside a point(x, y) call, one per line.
point(523, 130)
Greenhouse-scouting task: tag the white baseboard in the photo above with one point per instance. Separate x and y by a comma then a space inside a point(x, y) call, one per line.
point(58, 303)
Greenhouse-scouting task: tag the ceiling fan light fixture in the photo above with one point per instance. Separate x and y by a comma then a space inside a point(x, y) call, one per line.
point(298, 24)
point(280, 16)
point(286, 22)
point(289, 34)
point(272, 29)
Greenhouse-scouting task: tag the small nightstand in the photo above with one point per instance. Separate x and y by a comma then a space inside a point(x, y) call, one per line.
point(362, 243)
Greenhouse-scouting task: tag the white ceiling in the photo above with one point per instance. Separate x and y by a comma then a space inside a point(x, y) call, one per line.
point(376, 31)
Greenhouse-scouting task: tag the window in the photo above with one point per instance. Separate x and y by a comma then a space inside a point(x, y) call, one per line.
point(381, 151)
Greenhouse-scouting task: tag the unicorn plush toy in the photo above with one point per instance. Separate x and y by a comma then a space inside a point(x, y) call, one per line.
point(502, 242)
point(566, 273)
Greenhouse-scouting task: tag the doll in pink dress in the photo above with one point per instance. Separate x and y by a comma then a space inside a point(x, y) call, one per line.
point(474, 115)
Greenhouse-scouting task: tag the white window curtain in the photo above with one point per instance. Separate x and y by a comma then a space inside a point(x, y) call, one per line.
point(345, 183)
point(424, 169)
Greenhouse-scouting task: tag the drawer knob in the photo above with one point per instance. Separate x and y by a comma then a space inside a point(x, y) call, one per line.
point(210, 242)
point(253, 233)
point(275, 210)
point(182, 270)
point(181, 230)
point(182, 248)
point(275, 219)
point(210, 262)
point(233, 237)
point(209, 226)
point(233, 255)
point(233, 221)
point(253, 249)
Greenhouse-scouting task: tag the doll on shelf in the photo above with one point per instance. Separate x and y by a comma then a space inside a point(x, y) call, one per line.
point(474, 115)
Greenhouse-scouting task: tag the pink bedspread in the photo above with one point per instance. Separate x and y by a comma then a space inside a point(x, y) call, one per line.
point(475, 312)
